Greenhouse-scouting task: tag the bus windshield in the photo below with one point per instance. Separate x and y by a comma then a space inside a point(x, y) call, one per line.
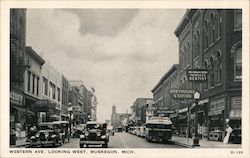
point(158, 126)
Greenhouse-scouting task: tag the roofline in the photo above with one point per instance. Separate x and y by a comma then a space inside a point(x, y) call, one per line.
point(165, 76)
point(185, 19)
point(37, 57)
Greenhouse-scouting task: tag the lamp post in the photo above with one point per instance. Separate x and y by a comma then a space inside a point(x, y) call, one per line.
point(70, 109)
point(196, 139)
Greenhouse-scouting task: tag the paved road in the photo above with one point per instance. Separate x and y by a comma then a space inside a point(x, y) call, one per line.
point(124, 140)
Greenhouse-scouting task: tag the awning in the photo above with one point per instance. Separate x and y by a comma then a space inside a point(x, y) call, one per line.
point(235, 114)
point(173, 115)
point(211, 113)
point(23, 110)
point(183, 110)
point(54, 116)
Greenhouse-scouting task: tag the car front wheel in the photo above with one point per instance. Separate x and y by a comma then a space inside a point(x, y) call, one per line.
point(81, 145)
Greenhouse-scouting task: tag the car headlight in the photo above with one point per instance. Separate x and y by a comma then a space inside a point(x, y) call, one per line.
point(86, 133)
point(32, 137)
point(53, 136)
point(82, 136)
point(37, 134)
point(103, 136)
point(46, 135)
point(98, 133)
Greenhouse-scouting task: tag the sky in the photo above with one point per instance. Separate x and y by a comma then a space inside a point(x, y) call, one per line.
point(122, 53)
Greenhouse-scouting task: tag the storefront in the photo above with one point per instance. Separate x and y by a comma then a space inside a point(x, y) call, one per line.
point(235, 118)
point(216, 119)
point(182, 121)
point(174, 119)
point(202, 118)
point(17, 116)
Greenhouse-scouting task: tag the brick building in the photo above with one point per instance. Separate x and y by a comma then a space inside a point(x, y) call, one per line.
point(211, 39)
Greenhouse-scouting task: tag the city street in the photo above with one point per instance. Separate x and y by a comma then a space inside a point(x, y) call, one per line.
point(124, 140)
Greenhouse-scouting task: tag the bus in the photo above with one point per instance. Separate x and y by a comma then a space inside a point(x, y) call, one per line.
point(158, 129)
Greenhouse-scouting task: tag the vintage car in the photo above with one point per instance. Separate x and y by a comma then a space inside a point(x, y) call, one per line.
point(95, 133)
point(78, 130)
point(110, 130)
point(48, 134)
point(142, 131)
point(63, 127)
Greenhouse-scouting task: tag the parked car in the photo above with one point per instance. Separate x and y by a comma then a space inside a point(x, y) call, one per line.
point(95, 133)
point(63, 129)
point(48, 134)
point(78, 130)
point(110, 130)
point(142, 131)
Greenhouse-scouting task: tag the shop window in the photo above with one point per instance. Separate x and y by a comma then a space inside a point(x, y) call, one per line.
point(45, 86)
point(237, 19)
point(238, 64)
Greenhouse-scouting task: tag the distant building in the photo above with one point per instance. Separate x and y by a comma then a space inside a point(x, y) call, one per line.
point(65, 98)
point(163, 101)
point(76, 100)
point(139, 107)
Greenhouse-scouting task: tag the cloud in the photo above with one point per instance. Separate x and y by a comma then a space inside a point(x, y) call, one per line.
point(107, 22)
point(122, 53)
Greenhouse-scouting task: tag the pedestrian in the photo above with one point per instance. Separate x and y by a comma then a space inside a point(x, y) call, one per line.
point(229, 130)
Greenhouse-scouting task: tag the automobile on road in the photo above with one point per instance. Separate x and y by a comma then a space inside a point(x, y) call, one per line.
point(95, 133)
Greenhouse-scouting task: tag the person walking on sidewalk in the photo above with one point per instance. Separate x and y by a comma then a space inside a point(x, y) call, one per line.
point(229, 130)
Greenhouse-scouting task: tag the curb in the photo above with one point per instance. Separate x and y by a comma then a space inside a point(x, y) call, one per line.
point(182, 144)
point(20, 145)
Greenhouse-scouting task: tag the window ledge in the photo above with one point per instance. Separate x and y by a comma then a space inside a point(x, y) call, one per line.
point(237, 29)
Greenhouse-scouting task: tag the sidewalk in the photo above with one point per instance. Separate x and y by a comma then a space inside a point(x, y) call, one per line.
point(187, 142)
point(20, 142)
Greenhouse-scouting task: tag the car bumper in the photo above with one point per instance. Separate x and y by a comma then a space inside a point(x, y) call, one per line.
point(42, 142)
point(92, 142)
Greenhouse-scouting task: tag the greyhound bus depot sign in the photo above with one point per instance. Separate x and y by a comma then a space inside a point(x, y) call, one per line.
point(182, 93)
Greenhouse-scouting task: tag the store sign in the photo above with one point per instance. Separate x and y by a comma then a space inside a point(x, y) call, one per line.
point(216, 107)
point(197, 75)
point(236, 102)
point(16, 98)
point(182, 93)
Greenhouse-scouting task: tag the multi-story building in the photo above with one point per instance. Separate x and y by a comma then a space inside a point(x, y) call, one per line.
point(211, 39)
point(168, 106)
point(32, 84)
point(76, 102)
point(65, 98)
point(163, 100)
point(139, 110)
point(51, 104)
point(18, 111)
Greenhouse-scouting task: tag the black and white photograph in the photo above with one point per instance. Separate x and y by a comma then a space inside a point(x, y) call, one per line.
point(118, 80)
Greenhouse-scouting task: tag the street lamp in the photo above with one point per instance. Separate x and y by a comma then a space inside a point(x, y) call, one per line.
point(70, 109)
point(196, 139)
